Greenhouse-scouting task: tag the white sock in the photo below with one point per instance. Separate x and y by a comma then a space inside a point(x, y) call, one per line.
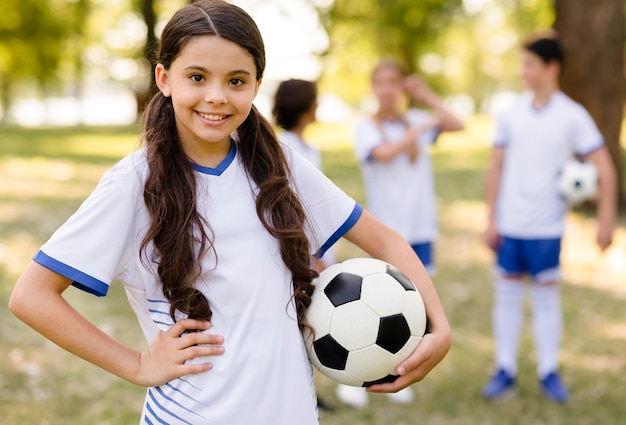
point(547, 326)
point(508, 317)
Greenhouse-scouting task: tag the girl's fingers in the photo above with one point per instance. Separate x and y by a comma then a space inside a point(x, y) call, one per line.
point(184, 325)
point(413, 369)
point(197, 338)
point(201, 351)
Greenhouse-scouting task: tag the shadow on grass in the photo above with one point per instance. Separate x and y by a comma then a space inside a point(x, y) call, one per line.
point(93, 145)
point(40, 383)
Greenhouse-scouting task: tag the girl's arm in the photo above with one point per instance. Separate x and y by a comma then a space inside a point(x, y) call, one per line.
point(419, 91)
point(37, 300)
point(383, 243)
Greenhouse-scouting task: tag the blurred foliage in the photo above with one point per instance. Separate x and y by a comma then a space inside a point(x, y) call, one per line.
point(459, 46)
point(37, 39)
point(55, 47)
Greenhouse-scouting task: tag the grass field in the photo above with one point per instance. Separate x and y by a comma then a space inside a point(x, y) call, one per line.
point(45, 174)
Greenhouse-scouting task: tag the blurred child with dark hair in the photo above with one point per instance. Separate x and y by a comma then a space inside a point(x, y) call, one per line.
point(295, 106)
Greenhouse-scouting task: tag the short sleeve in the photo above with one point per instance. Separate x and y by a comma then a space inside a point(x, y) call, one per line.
point(367, 137)
point(586, 136)
point(331, 213)
point(93, 245)
point(501, 135)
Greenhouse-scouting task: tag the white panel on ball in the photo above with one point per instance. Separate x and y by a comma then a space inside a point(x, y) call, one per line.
point(363, 266)
point(415, 313)
point(340, 376)
point(354, 337)
point(383, 294)
point(370, 363)
point(320, 314)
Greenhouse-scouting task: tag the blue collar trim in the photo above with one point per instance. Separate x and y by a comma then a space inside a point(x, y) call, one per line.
point(222, 166)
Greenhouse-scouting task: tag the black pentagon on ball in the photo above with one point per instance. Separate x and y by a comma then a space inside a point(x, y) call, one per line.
point(400, 277)
point(393, 333)
point(386, 379)
point(344, 288)
point(330, 353)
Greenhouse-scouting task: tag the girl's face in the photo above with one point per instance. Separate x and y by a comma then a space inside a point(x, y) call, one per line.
point(212, 83)
point(388, 87)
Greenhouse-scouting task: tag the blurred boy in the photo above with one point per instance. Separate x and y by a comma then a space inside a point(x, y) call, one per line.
point(532, 142)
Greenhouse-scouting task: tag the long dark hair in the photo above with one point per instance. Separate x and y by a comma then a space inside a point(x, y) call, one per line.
point(179, 234)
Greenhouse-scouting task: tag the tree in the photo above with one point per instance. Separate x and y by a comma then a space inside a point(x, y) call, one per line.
point(593, 36)
point(149, 15)
point(363, 31)
point(36, 39)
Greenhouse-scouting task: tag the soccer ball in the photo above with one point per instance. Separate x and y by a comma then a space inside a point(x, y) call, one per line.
point(578, 181)
point(368, 318)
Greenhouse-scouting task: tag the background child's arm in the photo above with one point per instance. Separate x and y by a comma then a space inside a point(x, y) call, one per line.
point(417, 89)
point(386, 151)
point(607, 203)
point(385, 244)
point(37, 300)
point(492, 187)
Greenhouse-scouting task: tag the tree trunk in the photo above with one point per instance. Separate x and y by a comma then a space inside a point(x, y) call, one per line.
point(5, 96)
point(150, 18)
point(593, 36)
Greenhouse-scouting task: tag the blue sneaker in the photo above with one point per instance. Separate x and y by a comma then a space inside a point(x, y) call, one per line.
point(553, 389)
point(500, 385)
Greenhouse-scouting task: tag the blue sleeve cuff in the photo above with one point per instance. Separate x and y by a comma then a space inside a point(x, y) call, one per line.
point(591, 150)
point(80, 280)
point(343, 229)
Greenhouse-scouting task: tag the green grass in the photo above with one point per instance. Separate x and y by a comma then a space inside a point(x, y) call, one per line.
point(45, 174)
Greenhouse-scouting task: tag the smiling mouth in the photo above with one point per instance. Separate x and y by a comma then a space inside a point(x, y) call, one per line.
point(213, 117)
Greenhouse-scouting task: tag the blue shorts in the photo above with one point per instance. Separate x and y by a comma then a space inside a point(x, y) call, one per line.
point(537, 257)
point(424, 252)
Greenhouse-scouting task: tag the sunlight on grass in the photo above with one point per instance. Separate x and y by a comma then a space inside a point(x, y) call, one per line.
point(45, 175)
point(584, 264)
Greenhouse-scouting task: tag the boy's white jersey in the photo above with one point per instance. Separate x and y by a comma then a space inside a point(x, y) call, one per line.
point(537, 143)
point(399, 193)
point(264, 376)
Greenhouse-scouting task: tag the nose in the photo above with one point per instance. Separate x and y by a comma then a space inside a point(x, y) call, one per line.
point(215, 94)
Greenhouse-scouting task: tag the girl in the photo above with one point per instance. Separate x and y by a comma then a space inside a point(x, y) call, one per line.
point(295, 106)
point(211, 236)
point(393, 148)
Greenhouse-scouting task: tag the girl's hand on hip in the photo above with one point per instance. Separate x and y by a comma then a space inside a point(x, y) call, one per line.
point(169, 351)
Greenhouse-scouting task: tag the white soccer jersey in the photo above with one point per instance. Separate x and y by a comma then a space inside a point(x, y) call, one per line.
point(314, 156)
point(537, 144)
point(399, 193)
point(264, 376)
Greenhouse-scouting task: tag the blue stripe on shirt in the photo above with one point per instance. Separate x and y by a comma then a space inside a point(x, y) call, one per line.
point(161, 407)
point(343, 229)
point(80, 280)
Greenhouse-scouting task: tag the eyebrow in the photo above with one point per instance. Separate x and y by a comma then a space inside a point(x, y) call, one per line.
point(206, 71)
